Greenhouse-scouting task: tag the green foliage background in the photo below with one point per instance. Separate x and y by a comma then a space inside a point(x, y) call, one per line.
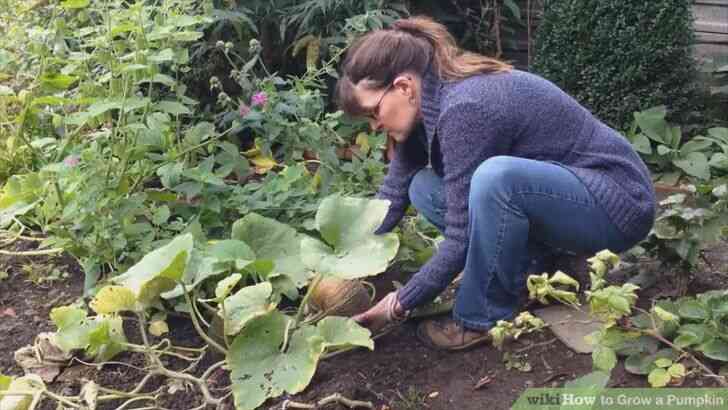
point(618, 57)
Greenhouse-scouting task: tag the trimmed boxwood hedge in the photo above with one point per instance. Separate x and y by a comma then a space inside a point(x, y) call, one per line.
point(621, 56)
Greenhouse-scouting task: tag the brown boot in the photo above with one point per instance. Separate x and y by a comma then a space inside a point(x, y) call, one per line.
point(447, 334)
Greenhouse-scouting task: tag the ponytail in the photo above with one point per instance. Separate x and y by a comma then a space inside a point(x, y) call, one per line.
point(452, 62)
point(412, 44)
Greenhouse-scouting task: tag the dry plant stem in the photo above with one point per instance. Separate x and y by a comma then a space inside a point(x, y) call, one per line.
point(141, 349)
point(160, 369)
point(197, 326)
point(654, 332)
point(527, 348)
point(13, 237)
point(334, 398)
point(98, 366)
point(33, 253)
point(133, 400)
point(211, 369)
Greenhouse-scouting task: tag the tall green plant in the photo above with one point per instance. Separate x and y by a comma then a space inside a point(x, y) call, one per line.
point(616, 57)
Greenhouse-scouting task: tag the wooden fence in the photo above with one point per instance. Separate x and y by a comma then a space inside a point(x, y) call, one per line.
point(711, 30)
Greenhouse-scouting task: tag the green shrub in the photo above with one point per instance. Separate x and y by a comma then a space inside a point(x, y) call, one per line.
point(620, 56)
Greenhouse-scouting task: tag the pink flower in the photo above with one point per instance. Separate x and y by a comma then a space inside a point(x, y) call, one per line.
point(259, 98)
point(244, 110)
point(71, 160)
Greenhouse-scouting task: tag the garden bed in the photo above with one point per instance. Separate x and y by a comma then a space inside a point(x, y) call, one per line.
point(401, 373)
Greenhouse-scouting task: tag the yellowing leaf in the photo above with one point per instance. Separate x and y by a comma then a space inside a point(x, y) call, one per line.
point(313, 50)
point(113, 299)
point(564, 279)
point(665, 315)
point(362, 140)
point(263, 164)
point(158, 328)
point(19, 394)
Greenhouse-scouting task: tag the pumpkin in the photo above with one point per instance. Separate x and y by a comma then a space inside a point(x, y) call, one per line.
point(340, 297)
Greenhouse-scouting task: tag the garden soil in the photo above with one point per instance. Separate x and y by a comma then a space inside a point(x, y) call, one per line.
point(400, 374)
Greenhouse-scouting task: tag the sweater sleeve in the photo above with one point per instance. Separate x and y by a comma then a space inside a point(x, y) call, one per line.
point(468, 132)
point(409, 157)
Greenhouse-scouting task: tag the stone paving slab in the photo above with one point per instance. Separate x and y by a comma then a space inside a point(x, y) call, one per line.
point(570, 326)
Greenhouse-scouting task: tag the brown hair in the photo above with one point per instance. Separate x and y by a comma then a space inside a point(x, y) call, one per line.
point(411, 44)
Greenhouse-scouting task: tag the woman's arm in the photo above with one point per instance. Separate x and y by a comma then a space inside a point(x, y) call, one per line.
point(469, 133)
point(409, 158)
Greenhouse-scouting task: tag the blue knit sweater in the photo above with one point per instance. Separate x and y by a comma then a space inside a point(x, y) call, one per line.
point(517, 114)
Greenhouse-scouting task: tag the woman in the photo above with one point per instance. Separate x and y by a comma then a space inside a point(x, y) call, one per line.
point(516, 167)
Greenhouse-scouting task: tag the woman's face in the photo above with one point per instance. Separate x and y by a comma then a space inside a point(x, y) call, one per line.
point(394, 109)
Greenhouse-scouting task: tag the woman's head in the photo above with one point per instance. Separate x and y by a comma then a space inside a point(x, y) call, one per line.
point(381, 75)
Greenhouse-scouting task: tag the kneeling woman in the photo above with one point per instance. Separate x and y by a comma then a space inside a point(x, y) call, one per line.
point(505, 164)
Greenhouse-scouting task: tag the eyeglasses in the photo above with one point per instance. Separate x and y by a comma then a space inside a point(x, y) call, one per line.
point(374, 113)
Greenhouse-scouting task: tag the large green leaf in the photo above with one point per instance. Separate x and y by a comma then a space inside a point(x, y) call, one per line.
point(200, 267)
point(690, 334)
point(30, 383)
point(247, 304)
point(695, 164)
point(643, 363)
point(692, 309)
point(715, 349)
point(642, 145)
point(351, 249)
point(595, 380)
point(652, 123)
point(262, 368)
point(232, 250)
point(274, 241)
point(158, 271)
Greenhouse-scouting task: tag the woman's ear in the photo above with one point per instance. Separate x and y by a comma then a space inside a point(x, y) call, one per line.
point(405, 83)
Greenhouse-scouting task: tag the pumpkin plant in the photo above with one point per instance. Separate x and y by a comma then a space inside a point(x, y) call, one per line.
point(268, 349)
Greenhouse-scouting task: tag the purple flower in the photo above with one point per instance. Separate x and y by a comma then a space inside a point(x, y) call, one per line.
point(259, 98)
point(71, 160)
point(244, 110)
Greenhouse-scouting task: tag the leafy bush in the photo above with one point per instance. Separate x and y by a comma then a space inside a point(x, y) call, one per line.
point(616, 57)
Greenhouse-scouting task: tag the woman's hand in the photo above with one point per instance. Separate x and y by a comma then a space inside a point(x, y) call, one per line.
point(388, 310)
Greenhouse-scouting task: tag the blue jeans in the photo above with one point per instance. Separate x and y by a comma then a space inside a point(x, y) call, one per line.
point(520, 210)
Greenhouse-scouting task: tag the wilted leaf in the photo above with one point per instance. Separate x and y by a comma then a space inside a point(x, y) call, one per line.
point(665, 315)
point(226, 285)
point(263, 164)
point(158, 327)
point(26, 384)
point(113, 299)
point(659, 378)
point(564, 279)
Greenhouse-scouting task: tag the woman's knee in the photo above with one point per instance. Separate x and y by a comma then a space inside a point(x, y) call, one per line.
point(424, 185)
point(495, 177)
